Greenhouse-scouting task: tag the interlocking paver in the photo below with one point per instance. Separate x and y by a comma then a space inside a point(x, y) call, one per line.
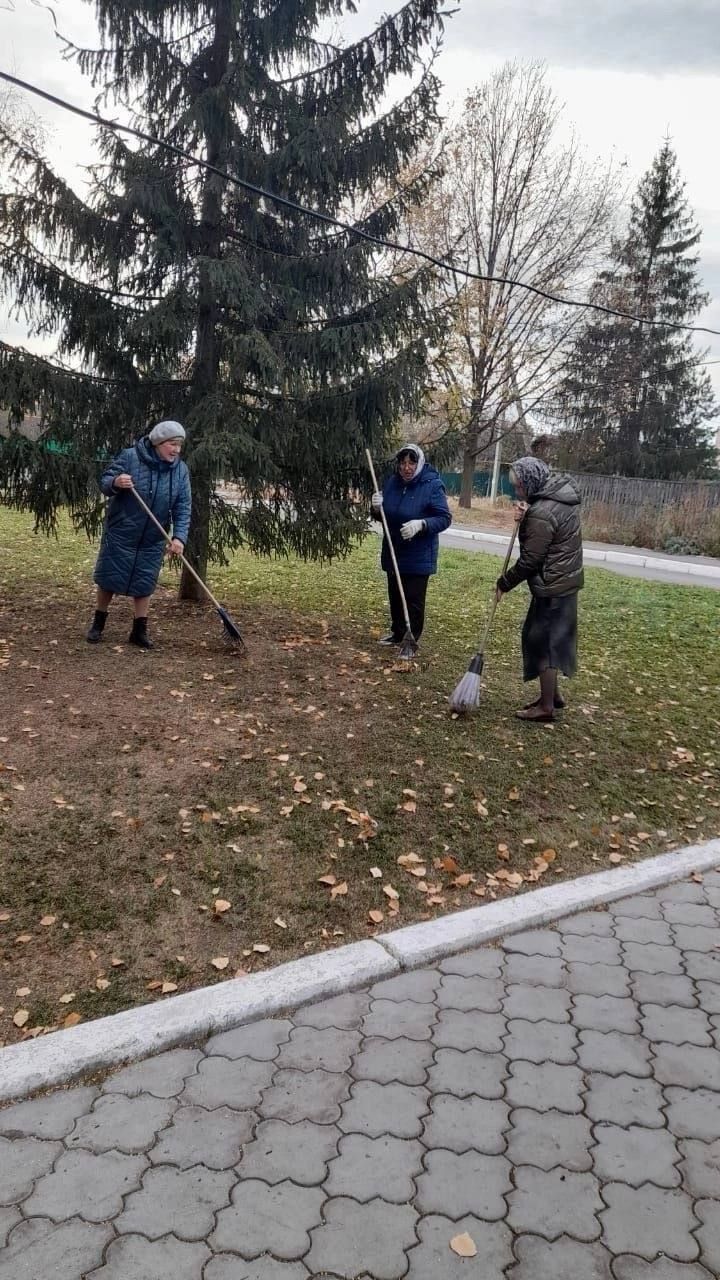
point(545, 1087)
point(554, 1203)
point(457, 992)
point(592, 950)
point(629, 1268)
point(455, 1185)
point(178, 1201)
point(389, 1019)
point(593, 924)
point(649, 1221)
point(344, 1012)
point(466, 1124)
point(664, 989)
point(300, 1152)
point(268, 1219)
point(43, 1250)
point(695, 937)
point(305, 1095)
point(375, 1109)
point(51, 1117)
point(163, 1076)
point(134, 1256)
point(561, 1259)
point(708, 994)
point(406, 1061)
point(22, 1161)
point(541, 1042)
point(689, 1068)
point(597, 979)
point(259, 1040)
point(419, 985)
point(700, 1168)
point(86, 1185)
point(649, 957)
point(534, 942)
point(635, 1155)
point(691, 913)
point(486, 962)
point(225, 1267)
point(220, 1082)
point(614, 1053)
point(694, 1113)
point(624, 1100)
point(549, 1139)
point(196, 1136)
point(605, 1013)
point(640, 929)
point(703, 966)
point(535, 971)
point(537, 1004)
point(708, 1212)
point(432, 1258)
point(458, 1030)
point(463, 1073)
point(366, 1168)
point(643, 905)
point(9, 1218)
point(676, 1025)
point(363, 1238)
point(681, 891)
point(119, 1123)
point(310, 1047)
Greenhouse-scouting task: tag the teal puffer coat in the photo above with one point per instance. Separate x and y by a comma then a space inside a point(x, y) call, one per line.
point(132, 549)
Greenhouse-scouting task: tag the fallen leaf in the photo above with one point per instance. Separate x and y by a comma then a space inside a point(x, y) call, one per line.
point(102, 984)
point(281, 924)
point(5, 916)
point(390, 892)
point(376, 873)
point(117, 963)
point(464, 1246)
point(300, 786)
point(376, 917)
point(513, 794)
point(449, 864)
point(24, 937)
point(67, 998)
point(461, 882)
point(410, 806)
point(327, 880)
point(548, 855)
point(159, 880)
point(482, 808)
point(22, 992)
point(615, 857)
point(72, 1020)
point(220, 962)
point(21, 1017)
point(261, 947)
point(47, 921)
point(221, 905)
point(167, 987)
point(339, 890)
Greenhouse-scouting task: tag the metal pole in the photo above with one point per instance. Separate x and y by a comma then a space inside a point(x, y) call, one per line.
point(496, 470)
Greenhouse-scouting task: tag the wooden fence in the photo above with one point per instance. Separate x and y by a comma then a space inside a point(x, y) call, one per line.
point(624, 491)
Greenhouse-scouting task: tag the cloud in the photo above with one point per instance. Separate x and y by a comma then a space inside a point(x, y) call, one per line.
point(637, 35)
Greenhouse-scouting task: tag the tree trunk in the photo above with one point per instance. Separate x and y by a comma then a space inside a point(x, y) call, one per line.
point(468, 475)
point(207, 345)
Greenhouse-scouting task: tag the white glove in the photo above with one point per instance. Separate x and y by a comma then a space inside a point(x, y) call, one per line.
point(411, 529)
point(376, 501)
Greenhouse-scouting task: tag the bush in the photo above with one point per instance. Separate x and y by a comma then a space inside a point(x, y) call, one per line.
point(685, 528)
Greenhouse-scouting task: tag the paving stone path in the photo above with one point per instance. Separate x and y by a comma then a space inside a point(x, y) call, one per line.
point(556, 1099)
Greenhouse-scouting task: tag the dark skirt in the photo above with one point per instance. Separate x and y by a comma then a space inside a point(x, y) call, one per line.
point(549, 636)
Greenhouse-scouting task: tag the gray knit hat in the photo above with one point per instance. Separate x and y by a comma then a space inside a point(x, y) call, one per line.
point(166, 430)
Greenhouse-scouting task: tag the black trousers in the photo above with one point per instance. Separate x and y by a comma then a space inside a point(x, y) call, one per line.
point(415, 588)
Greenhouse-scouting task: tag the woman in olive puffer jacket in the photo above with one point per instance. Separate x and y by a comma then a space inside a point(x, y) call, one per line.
point(551, 562)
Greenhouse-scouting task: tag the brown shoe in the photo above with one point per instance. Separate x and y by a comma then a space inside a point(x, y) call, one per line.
point(559, 703)
point(536, 714)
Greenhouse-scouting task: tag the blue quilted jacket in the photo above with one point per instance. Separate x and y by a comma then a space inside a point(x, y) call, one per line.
point(132, 549)
point(422, 499)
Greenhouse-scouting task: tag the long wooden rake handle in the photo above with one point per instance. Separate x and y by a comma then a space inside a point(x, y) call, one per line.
point(168, 539)
point(494, 603)
point(391, 548)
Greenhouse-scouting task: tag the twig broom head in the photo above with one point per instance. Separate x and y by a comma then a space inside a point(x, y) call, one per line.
point(466, 694)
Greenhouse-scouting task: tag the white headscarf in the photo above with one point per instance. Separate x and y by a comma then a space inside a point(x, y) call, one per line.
point(417, 453)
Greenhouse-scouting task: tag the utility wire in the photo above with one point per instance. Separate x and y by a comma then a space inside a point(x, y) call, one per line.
point(329, 220)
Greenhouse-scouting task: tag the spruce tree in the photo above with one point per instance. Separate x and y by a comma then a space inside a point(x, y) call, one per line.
point(284, 344)
point(636, 400)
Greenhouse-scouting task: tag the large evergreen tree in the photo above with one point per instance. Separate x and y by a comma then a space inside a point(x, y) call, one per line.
point(284, 345)
point(636, 400)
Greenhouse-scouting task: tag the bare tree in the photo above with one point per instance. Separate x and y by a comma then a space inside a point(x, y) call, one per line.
point(516, 204)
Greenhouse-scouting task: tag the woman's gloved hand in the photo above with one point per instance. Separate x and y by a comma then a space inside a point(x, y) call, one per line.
point(376, 501)
point(411, 529)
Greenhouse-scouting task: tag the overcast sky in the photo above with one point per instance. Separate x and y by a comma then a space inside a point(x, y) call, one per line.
point(628, 72)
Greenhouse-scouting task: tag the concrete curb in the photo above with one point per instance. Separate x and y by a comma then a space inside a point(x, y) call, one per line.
point(420, 944)
point(667, 564)
point(96, 1046)
point(138, 1033)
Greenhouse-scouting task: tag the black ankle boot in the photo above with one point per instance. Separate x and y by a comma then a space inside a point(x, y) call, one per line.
point(95, 633)
point(139, 635)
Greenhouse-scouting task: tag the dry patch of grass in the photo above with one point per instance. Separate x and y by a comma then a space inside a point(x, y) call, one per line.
point(179, 817)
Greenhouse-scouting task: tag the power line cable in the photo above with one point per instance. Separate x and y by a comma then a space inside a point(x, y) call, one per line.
point(330, 220)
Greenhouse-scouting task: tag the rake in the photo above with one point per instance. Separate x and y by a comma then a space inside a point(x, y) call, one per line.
point(466, 694)
point(409, 646)
point(232, 631)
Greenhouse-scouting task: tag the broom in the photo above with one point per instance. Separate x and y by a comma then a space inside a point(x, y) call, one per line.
point(466, 695)
point(232, 631)
point(409, 646)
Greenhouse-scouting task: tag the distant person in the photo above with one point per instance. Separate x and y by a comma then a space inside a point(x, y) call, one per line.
point(551, 562)
point(416, 510)
point(541, 448)
point(132, 548)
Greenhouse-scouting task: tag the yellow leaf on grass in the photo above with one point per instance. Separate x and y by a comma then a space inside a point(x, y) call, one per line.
point(167, 987)
point(548, 855)
point(376, 917)
point(72, 1020)
point(220, 962)
point(464, 1246)
point(20, 1018)
point(339, 890)
point(390, 893)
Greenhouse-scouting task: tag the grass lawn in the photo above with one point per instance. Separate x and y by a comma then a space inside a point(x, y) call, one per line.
point(162, 811)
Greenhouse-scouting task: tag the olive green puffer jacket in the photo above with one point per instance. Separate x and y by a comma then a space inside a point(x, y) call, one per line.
point(551, 554)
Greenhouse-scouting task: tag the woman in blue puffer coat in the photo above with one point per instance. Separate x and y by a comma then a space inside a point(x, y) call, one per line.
point(416, 510)
point(132, 548)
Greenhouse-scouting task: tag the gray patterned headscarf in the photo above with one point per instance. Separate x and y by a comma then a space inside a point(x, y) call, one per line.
point(532, 474)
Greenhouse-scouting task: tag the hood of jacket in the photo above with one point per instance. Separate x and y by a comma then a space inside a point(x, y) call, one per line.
point(558, 488)
point(148, 455)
